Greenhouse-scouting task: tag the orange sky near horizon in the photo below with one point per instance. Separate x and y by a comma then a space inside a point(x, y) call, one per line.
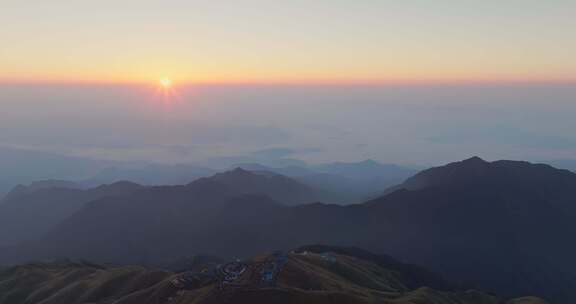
point(267, 42)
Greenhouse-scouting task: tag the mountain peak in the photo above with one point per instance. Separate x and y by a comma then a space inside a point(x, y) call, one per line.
point(471, 170)
point(239, 170)
point(476, 171)
point(234, 174)
point(369, 162)
point(279, 187)
point(474, 160)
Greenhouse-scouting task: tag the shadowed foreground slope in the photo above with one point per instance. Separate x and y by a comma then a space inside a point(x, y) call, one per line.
point(309, 276)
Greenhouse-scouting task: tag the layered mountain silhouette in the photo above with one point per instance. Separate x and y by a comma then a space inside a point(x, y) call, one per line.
point(155, 220)
point(40, 185)
point(279, 187)
point(312, 274)
point(153, 174)
point(344, 182)
point(340, 182)
point(23, 166)
point(503, 225)
point(28, 212)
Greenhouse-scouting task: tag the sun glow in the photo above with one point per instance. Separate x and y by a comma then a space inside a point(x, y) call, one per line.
point(166, 83)
point(166, 92)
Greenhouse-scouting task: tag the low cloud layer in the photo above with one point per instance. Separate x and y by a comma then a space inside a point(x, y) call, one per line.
point(403, 124)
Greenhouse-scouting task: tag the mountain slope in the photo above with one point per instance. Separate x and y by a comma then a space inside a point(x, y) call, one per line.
point(344, 183)
point(502, 225)
point(153, 174)
point(311, 275)
point(143, 226)
point(365, 170)
point(28, 212)
point(476, 171)
point(153, 220)
point(279, 187)
point(40, 185)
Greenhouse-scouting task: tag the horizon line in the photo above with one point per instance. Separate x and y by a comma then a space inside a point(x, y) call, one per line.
point(294, 82)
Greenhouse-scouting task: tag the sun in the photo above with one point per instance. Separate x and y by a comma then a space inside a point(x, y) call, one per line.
point(166, 83)
point(166, 92)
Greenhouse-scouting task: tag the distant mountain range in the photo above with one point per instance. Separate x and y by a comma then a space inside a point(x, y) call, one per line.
point(35, 186)
point(340, 182)
point(278, 187)
point(23, 166)
point(28, 212)
point(503, 225)
point(311, 274)
point(344, 182)
point(153, 174)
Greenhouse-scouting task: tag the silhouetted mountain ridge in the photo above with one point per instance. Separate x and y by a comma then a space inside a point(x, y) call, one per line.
point(478, 171)
point(39, 185)
point(278, 187)
point(343, 182)
point(503, 225)
point(30, 211)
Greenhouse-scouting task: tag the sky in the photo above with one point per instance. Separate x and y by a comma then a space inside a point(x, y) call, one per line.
point(287, 41)
point(409, 82)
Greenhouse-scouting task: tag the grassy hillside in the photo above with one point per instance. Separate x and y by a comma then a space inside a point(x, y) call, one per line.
point(306, 278)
